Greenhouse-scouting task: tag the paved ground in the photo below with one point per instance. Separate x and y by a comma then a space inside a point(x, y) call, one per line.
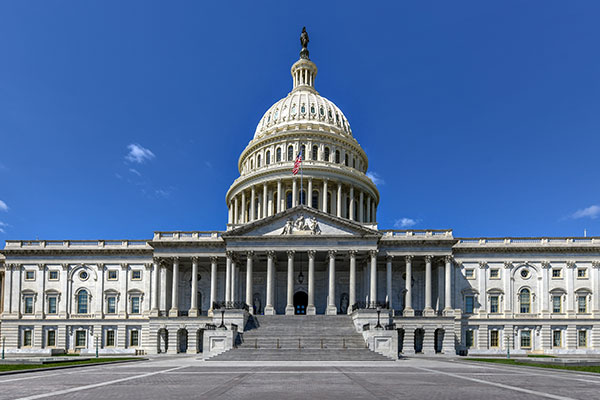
point(190, 378)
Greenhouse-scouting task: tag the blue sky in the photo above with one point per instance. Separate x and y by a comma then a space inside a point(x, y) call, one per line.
point(476, 116)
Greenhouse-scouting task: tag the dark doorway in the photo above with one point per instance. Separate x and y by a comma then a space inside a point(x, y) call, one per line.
point(419, 336)
point(438, 340)
point(300, 303)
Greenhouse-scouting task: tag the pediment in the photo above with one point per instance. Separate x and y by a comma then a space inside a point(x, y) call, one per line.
point(301, 221)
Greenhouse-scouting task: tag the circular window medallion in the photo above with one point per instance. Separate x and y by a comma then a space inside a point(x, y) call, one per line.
point(524, 273)
point(83, 275)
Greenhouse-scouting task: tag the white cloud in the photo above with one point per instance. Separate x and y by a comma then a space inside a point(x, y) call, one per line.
point(135, 171)
point(404, 223)
point(138, 154)
point(162, 193)
point(3, 206)
point(374, 176)
point(2, 226)
point(592, 212)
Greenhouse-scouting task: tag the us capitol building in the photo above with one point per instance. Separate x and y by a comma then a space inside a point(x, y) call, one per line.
point(300, 247)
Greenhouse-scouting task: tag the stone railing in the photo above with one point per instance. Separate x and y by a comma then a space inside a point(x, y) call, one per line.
point(187, 236)
point(446, 233)
point(544, 241)
point(76, 244)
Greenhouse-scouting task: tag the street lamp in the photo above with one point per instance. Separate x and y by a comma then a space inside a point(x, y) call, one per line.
point(3, 343)
point(378, 326)
point(96, 345)
point(222, 326)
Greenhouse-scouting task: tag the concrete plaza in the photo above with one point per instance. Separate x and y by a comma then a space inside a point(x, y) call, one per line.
point(191, 378)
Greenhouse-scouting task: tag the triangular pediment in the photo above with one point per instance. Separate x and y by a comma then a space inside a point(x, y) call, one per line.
point(301, 221)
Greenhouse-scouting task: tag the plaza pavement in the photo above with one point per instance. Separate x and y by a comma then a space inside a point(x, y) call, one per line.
point(188, 377)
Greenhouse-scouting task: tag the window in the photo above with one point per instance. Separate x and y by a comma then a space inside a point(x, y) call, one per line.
point(136, 275)
point(315, 152)
point(581, 273)
point(337, 156)
point(134, 338)
point(258, 159)
point(524, 273)
point(494, 301)
point(268, 157)
point(525, 300)
point(494, 338)
point(82, 302)
point(28, 305)
point(27, 338)
point(315, 199)
point(30, 275)
point(494, 273)
point(346, 160)
point(469, 273)
point(312, 109)
point(83, 275)
point(556, 304)
point(110, 338)
point(556, 339)
point(251, 164)
point(135, 305)
point(303, 151)
point(469, 304)
point(582, 338)
point(290, 153)
point(52, 304)
point(111, 305)
point(326, 156)
point(112, 275)
point(52, 275)
point(51, 338)
point(581, 304)
point(80, 337)
point(525, 339)
point(288, 200)
point(469, 338)
point(556, 273)
point(278, 154)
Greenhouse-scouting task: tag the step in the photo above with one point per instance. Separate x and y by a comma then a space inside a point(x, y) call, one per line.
point(299, 355)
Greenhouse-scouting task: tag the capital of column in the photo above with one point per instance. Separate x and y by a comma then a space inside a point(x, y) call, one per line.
point(570, 264)
point(41, 267)
point(271, 254)
point(229, 254)
point(545, 264)
point(483, 264)
point(100, 266)
point(147, 266)
point(449, 259)
point(596, 264)
point(373, 253)
point(250, 254)
point(312, 253)
point(331, 253)
point(508, 264)
point(214, 259)
point(352, 253)
point(124, 266)
point(389, 258)
point(65, 266)
point(428, 258)
point(290, 254)
point(409, 258)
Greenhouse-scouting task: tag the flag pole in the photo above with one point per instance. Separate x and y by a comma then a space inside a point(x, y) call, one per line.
point(301, 177)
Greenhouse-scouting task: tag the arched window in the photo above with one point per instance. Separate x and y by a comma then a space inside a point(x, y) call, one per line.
point(315, 152)
point(337, 156)
point(525, 300)
point(251, 164)
point(82, 302)
point(278, 155)
point(303, 151)
point(315, 199)
point(345, 160)
point(290, 154)
point(353, 163)
point(326, 157)
point(289, 200)
point(268, 157)
point(258, 161)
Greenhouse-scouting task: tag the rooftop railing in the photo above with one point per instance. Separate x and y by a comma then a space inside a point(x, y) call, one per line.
point(187, 235)
point(545, 241)
point(447, 233)
point(75, 244)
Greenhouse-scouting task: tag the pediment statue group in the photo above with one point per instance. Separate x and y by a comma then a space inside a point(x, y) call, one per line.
point(301, 225)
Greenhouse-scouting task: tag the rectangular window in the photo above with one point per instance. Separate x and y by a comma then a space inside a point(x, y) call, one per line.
point(494, 338)
point(494, 300)
point(52, 305)
point(135, 305)
point(469, 273)
point(582, 304)
point(582, 338)
point(525, 339)
point(112, 275)
point(28, 306)
point(52, 275)
point(469, 338)
point(51, 338)
point(136, 275)
point(80, 337)
point(30, 275)
point(494, 273)
point(556, 304)
point(110, 338)
point(556, 339)
point(581, 273)
point(134, 338)
point(556, 273)
point(111, 305)
point(469, 304)
point(27, 338)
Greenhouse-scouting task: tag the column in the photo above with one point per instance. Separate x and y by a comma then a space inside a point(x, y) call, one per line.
point(368, 216)
point(213, 284)
point(331, 307)
point(229, 213)
point(64, 279)
point(373, 211)
point(310, 308)
point(236, 214)
point(352, 288)
point(289, 308)
point(163, 288)
point(339, 200)
point(269, 310)
point(388, 282)
point(294, 193)
point(351, 210)
point(408, 310)
point(428, 311)
point(360, 207)
point(41, 280)
point(193, 312)
point(249, 281)
point(17, 303)
point(483, 288)
point(279, 199)
point(100, 291)
point(174, 311)
point(325, 195)
point(123, 285)
point(448, 310)
point(373, 280)
point(146, 305)
point(309, 194)
point(7, 292)
point(154, 295)
point(244, 209)
point(233, 295)
point(252, 204)
point(545, 294)
point(265, 201)
point(507, 288)
point(229, 255)
point(570, 279)
point(595, 288)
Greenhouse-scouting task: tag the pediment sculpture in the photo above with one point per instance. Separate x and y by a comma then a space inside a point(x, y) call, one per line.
point(301, 226)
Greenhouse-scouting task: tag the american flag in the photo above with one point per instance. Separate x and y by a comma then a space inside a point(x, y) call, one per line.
point(297, 164)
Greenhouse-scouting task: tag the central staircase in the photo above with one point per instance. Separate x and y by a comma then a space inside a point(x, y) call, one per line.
point(300, 338)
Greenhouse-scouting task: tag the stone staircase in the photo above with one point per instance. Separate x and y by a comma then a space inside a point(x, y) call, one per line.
point(300, 338)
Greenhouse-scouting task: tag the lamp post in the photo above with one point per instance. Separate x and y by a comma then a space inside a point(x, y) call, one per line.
point(378, 326)
point(508, 347)
point(222, 326)
point(96, 345)
point(3, 343)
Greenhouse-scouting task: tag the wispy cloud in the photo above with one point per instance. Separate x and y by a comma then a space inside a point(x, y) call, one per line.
point(208, 164)
point(138, 154)
point(592, 212)
point(3, 206)
point(374, 176)
point(162, 193)
point(135, 171)
point(2, 226)
point(404, 223)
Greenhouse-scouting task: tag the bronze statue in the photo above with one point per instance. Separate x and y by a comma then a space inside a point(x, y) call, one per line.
point(304, 42)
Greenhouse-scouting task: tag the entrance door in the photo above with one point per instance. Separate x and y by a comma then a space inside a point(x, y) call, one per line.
point(300, 303)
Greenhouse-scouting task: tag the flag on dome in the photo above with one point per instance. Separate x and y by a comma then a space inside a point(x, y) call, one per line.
point(297, 164)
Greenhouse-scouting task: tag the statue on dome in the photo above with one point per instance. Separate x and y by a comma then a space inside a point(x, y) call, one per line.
point(304, 42)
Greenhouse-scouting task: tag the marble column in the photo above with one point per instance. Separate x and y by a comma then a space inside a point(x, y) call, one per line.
point(162, 300)
point(236, 215)
point(289, 308)
point(40, 309)
point(249, 281)
point(339, 200)
point(229, 255)
point(100, 295)
point(325, 195)
point(309, 194)
point(408, 310)
point(252, 204)
point(361, 207)
point(482, 288)
point(213, 284)
point(331, 307)
point(352, 288)
point(448, 310)
point(545, 289)
point(373, 280)
point(123, 278)
point(570, 283)
point(279, 194)
point(269, 309)
point(351, 209)
point(155, 291)
point(234, 280)
point(7, 290)
point(595, 288)
point(174, 311)
point(294, 192)
point(507, 288)
point(244, 209)
point(193, 311)
point(368, 216)
point(388, 282)
point(310, 308)
point(264, 201)
point(428, 311)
